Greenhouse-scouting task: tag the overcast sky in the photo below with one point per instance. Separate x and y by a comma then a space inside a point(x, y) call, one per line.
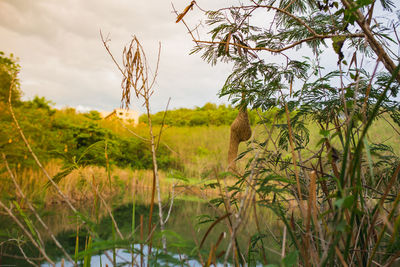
point(63, 59)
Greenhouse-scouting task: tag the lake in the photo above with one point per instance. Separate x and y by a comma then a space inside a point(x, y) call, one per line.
point(190, 219)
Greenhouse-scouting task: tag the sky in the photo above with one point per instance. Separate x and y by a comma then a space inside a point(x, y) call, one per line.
point(63, 59)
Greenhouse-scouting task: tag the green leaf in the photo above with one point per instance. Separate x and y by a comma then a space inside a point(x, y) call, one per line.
point(290, 259)
point(324, 133)
point(370, 162)
point(28, 222)
point(339, 202)
point(177, 176)
point(362, 3)
point(62, 174)
point(345, 203)
point(348, 202)
point(341, 227)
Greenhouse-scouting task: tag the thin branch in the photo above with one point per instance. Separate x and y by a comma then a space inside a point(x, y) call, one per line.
point(108, 210)
point(162, 123)
point(31, 151)
point(20, 257)
point(391, 125)
point(172, 203)
point(106, 46)
point(26, 257)
point(26, 232)
point(145, 139)
point(184, 23)
point(374, 43)
point(34, 211)
point(157, 65)
point(279, 50)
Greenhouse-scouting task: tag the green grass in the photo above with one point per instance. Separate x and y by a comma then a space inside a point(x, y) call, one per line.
point(203, 149)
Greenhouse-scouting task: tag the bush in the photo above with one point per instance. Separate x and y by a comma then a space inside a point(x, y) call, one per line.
point(72, 137)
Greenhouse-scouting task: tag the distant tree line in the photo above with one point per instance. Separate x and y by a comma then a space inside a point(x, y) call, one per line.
point(209, 114)
point(65, 134)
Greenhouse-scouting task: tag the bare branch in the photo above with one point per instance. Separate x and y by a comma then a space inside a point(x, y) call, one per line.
point(26, 232)
point(108, 209)
point(279, 50)
point(34, 211)
point(33, 153)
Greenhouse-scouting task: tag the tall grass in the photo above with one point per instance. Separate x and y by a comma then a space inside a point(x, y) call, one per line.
point(77, 185)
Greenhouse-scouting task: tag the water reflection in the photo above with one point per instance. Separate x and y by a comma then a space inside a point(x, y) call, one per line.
point(184, 232)
point(123, 258)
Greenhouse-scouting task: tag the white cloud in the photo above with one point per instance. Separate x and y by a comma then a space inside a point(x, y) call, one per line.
point(63, 59)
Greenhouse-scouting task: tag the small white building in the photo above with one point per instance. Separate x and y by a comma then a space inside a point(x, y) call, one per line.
point(127, 115)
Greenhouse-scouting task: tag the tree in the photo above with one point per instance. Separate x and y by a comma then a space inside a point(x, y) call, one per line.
point(318, 62)
point(8, 67)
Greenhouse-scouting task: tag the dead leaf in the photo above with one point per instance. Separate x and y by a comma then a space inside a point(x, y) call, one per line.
point(180, 16)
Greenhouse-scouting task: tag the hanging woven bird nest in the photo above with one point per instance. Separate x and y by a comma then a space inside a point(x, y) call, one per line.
point(240, 132)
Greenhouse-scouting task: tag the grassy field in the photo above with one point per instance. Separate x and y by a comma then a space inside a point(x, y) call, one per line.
point(204, 148)
point(200, 150)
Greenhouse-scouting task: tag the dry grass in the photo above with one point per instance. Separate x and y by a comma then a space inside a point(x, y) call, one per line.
point(78, 185)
